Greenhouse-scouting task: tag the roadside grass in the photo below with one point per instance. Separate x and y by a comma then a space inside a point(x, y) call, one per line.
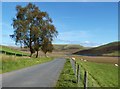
point(99, 74)
point(67, 77)
point(10, 63)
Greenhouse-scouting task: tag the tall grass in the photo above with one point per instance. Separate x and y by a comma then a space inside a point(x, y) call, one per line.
point(10, 63)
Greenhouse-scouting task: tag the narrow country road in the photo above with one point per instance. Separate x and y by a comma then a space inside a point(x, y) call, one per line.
point(42, 75)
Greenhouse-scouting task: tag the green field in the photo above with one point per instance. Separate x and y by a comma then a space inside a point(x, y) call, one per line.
point(99, 74)
point(67, 77)
point(10, 63)
point(11, 51)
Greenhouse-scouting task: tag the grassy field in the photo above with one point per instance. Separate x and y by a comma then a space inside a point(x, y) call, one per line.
point(11, 51)
point(67, 77)
point(99, 74)
point(115, 53)
point(98, 59)
point(10, 63)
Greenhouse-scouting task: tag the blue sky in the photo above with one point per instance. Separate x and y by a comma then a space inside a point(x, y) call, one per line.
point(85, 23)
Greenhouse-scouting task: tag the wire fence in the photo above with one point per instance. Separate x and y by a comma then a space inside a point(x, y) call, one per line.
point(77, 71)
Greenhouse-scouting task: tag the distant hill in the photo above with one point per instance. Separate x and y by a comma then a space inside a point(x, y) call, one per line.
point(110, 49)
point(68, 47)
point(57, 48)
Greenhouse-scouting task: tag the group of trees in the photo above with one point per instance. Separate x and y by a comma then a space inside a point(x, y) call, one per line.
point(33, 29)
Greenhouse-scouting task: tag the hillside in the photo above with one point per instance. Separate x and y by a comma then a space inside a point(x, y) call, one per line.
point(68, 47)
point(11, 51)
point(110, 49)
point(64, 48)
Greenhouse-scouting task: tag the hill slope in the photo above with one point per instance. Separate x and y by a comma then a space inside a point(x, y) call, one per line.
point(68, 47)
point(11, 51)
point(110, 49)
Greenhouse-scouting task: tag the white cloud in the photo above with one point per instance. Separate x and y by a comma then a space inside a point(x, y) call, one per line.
point(90, 44)
point(87, 42)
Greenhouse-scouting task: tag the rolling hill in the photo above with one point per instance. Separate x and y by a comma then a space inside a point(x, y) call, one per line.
point(67, 46)
point(57, 48)
point(71, 48)
point(110, 49)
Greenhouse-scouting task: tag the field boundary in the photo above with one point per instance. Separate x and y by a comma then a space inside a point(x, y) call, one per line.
point(93, 77)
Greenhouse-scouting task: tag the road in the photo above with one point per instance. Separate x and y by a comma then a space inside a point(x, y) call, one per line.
point(42, 75)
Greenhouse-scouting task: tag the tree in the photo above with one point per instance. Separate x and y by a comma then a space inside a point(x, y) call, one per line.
point(48, 32)
point(46, 46)
point(31, 26)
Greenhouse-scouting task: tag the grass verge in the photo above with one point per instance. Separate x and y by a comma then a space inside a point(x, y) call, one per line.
point(67, 77)
point(10, 63)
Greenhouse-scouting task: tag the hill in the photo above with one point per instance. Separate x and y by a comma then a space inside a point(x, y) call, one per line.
point(11, 51)
point(64, 48)
point(68, 47)
point(110, 49)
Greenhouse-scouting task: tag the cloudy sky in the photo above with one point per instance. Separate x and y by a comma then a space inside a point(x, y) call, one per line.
point(85, 23)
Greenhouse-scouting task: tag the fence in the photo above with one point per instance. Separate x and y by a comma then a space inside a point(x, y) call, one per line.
point(76, 68)
point(10, 53)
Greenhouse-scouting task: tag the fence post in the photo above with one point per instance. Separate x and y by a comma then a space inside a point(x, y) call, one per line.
point(78, 74)
point(85, 80)
point(5, 52)
point(76, 69)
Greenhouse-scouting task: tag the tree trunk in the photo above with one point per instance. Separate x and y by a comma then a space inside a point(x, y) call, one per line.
point(45, 55)
point(37, 55)
point(31, 54)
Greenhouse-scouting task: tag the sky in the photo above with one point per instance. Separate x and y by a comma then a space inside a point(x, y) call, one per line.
point(85, 23)
point(60, 0)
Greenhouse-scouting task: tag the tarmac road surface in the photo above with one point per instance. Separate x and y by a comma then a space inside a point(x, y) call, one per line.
point(42, 75)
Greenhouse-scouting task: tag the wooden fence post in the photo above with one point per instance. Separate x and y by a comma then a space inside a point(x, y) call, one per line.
point(5, 52)
point(85, 80)
point(73, 66)
point(75, 69)
point(78, 74)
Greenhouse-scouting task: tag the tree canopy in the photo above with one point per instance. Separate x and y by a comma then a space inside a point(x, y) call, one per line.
point(32, 28)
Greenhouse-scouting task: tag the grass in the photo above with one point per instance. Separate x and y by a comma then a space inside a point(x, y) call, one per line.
point(10, 63)
point(99, 74)
point(67, 77)
point(11, 51)
point(115, 53)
